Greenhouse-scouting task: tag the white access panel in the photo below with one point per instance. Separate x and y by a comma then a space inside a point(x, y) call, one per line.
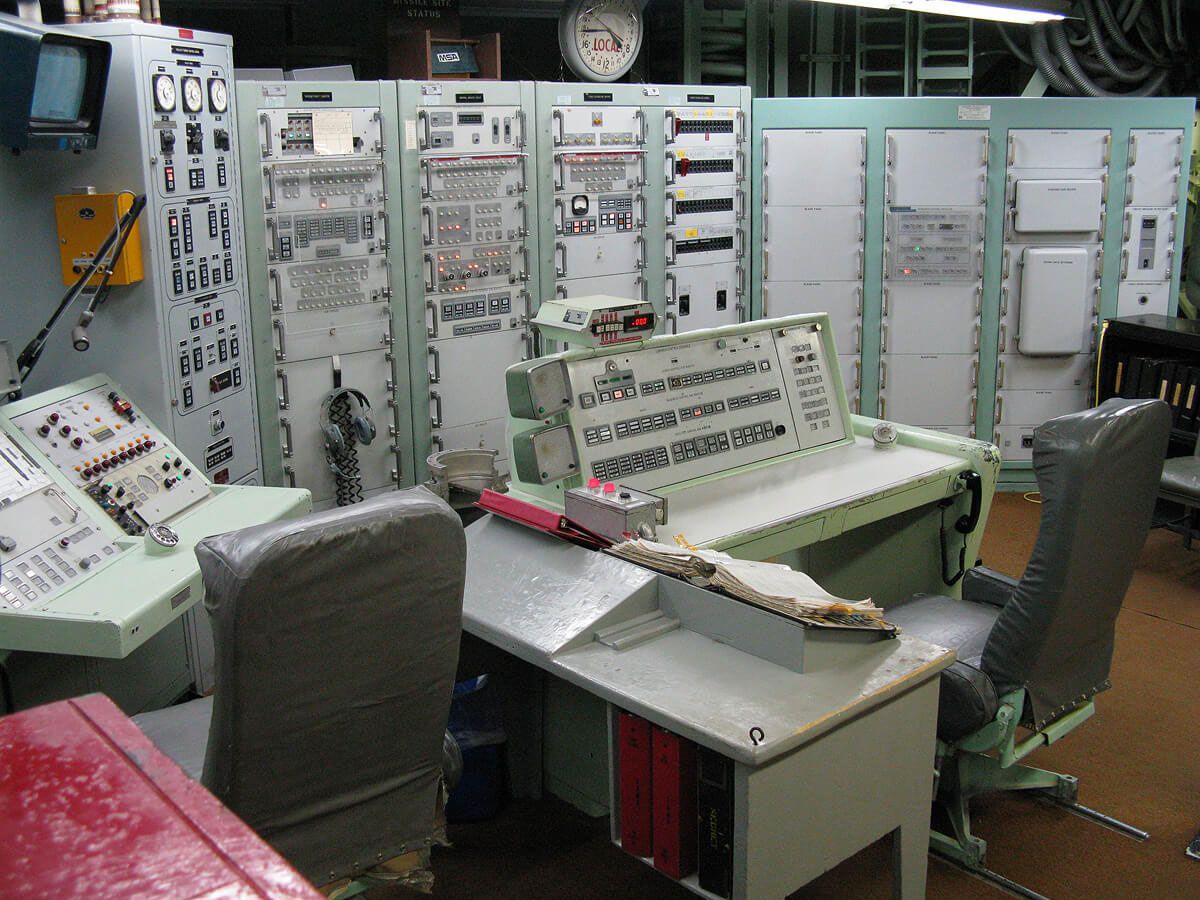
point(805, 243)
point(301, 437)
point(1056, 300)
point(1059, 148)
point(1036, 407)
point(705, 296)
point(814, 167)
point(626, 285)
point(596, 255)
point(1052, 373)
point(466, 377)
point(598, 127)
point(1155, 158)
point(842, 300)
point(1143, 299)
point(929, 167)
point(1044, 205)
point(927, 389)
point(931, 318)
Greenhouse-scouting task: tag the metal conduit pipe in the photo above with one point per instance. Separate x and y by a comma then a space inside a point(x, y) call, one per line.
point(1111, 24)
point(1106, 60)
point(1013, 47)
point(1085, 85)
point(1046, 65)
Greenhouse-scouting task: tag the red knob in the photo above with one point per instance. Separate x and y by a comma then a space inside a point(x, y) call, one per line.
point(77, 443)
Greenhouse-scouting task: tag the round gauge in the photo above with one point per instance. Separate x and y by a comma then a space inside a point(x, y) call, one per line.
point(218, 95)
point(193, 95)
point(600, 39)
point(164, 93)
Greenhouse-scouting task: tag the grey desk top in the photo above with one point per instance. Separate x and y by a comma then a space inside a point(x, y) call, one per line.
point(542, 600)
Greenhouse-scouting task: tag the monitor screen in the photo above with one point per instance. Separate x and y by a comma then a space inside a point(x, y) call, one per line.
point(58, 91)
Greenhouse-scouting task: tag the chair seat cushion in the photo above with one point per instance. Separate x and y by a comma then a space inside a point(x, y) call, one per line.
point(181, 732)
point(1181, 477)
point(968, 698)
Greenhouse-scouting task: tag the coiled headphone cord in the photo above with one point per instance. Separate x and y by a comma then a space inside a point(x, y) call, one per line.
point(347, 476)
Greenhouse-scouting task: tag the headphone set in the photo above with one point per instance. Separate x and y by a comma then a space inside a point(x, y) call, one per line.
point(361, 428)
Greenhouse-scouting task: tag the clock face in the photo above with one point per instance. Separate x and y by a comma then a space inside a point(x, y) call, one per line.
point(193, 95)
point(164, 93)
point(218, 95)
point(605, 38)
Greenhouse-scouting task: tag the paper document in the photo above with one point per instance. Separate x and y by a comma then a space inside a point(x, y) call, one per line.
point(770, 585)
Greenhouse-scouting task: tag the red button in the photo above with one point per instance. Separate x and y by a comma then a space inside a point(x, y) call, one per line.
point(610, 488)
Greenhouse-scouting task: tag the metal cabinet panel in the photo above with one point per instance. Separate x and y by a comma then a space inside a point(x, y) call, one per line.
point(927, 389)
point(1059, 148)
point(814, 167)
point(1148, 245)
point(694, 126)
point(813, 244)
point(466, 377)
point(1027, 373)
point(937, 167)
point(931, 318)
point(627, 285)
point(598, 127)
point(594, 255)
point(1143, 299)
point(1155, 157)
point(841, 299)
point(705, 296)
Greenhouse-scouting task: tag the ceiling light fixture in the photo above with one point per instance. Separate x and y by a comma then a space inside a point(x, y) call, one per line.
point(1019, 12)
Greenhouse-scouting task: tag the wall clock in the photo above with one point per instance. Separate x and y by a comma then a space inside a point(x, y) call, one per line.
point(600, 39)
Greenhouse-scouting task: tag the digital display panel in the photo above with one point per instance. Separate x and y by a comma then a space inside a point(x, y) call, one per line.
point(639, 322)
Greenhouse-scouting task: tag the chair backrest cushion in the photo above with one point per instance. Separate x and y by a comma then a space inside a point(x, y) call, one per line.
point(1098, 473)
point(336, 647)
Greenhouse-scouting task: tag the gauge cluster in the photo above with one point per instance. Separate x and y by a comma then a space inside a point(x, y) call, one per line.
point(192, 130)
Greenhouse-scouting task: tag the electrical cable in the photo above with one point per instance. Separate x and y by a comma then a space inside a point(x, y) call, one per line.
point(79, 338)
point(1109, 20)
point(1046, 63)
point(952, 580)
point(347, 475)
point(1013, 47)
point(1084, 84)
point(1103, 56)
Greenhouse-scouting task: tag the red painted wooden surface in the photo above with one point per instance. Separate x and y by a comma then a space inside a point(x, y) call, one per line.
point(89, 808)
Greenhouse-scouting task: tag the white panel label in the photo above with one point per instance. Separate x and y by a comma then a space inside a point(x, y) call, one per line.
point(410, 134)
point(333, 132)
point(974, 112)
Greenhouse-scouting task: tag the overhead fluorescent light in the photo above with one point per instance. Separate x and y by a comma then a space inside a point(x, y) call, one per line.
point(1019, 12)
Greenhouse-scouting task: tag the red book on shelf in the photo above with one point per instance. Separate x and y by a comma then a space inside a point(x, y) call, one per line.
point(673, 776)
point(634, 740)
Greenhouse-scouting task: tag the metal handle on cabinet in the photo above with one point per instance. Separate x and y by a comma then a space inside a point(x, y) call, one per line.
point(524, 276)
point(281, 348)
point(560, 216)
point(670, 171)
point(426, 226)
point(986, 147)
point(641, 286)
point(1003, 302)
point(766, 264)
point(277, 293)
point(1107, 148)
point(673, 297)
point(891, 151)
point(1012, 150)
point(269, 177)
point(975, 373)
point(765, 144)
point(862, 225)
point(435, 376)
point(285, 398)
point(429, 271)
point(522, 181)
point(640, 243)
point(380, 145)
point(1007, 263)
point(887, 188)
point(641, 222)
point(1133, 148)
point(764, 189)
point(857, 374)
point(1129, 183)
point(670, 239)
point(670, 317)
point(739, 202)
point(740, 165)
point(670, 206)
point(979, 263)
point(883, 407)
point(291, 475)
point(1003, 337)
point(435, 439)
point(882, 377)
point(741, 244)
point(431, 330)
point(740, 118)
point(560, 290)
point(266, 149)
point(978, 299)
point(1124, 264)
point(862, 256)
point(560, 249)
point(862, 150)
point(435, 420)
point(983, 188)
point(1170, 270)
point(426, 137)
point(426, 179)
point(886, 300)
point(862, 188)
point(640, 117)
point(858, 337)
point(521, 123)
point(883, 338)
point(560, 171)
point(641, 175)
point(1000, 374)
point(766, 225)
point(766, 302)
point(671, 126)
point(523, 231)
point(288, 442)
point(740, 290)
point(975, 339)
point(974, 408)
point(1128, 228)
point(858, 300)
point(999, 410)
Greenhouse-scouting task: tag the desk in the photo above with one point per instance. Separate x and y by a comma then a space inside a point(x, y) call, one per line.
point(848, 746)
point(89, 808)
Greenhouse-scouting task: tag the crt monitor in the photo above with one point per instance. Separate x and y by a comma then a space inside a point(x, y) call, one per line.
point(52, 86)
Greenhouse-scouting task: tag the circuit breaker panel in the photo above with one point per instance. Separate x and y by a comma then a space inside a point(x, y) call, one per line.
point(935, 199)
point(1055, 210)
point(467, 203)
point(318, 230)
point(997, 234)
point(179, 337)
point(814, 183)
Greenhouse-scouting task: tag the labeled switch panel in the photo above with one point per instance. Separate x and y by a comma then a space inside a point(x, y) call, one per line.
point(491, 127)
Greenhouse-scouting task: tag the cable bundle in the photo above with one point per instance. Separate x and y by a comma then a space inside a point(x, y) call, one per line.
point(347, 475)
point(1130, 51)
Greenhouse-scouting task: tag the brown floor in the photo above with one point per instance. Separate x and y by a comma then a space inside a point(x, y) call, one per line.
point(1137, 760)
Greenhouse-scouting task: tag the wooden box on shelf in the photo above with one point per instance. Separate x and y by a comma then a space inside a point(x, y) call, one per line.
point(412, 54)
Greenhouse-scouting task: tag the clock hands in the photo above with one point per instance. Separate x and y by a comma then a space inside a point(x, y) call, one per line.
point(617, 40)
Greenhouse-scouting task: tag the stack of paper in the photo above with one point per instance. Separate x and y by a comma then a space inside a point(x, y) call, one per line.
point(770, 585)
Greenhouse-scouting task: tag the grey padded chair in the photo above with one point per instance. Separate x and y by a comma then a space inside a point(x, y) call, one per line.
point(1035, 652)
point(1180, 484)
point(336, 647)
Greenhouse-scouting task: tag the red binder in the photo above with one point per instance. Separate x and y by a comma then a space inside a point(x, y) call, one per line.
point(634, 742)
point(673, 775)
